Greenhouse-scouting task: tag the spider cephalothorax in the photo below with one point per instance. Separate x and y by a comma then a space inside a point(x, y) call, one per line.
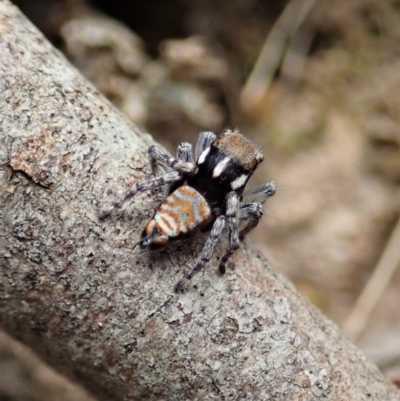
point(205, 193)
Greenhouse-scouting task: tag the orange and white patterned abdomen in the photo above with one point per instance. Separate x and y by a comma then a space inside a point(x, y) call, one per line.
point(181, 212)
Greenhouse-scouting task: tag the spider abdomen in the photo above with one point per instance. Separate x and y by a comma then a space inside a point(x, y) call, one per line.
point(181, 212)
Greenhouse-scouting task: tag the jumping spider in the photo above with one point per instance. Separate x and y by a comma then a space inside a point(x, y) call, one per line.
point(206, 193)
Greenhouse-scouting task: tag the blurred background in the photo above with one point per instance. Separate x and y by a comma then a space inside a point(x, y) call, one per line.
point(316, 84)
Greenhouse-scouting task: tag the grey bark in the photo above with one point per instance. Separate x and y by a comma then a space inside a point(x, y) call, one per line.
point(72, 288)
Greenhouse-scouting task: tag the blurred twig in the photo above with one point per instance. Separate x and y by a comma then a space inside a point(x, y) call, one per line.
point(273, 51)
point(377, 284)
point(295, 58)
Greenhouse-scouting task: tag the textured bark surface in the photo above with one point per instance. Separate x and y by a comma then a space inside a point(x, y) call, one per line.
point(73, 289)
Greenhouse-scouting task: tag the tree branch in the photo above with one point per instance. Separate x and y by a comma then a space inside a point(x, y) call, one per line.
point(73, 290)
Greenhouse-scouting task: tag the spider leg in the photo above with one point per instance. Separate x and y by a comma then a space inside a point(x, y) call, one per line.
point(232, 206)
point(181, 166)
point(251, 214)
point(251, 210)
point(204, 142)
point(143, 186)
point(185, 153)
point(206, 253)
point(259, 194)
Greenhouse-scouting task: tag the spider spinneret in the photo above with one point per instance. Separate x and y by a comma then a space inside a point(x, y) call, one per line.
point(203, 193)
